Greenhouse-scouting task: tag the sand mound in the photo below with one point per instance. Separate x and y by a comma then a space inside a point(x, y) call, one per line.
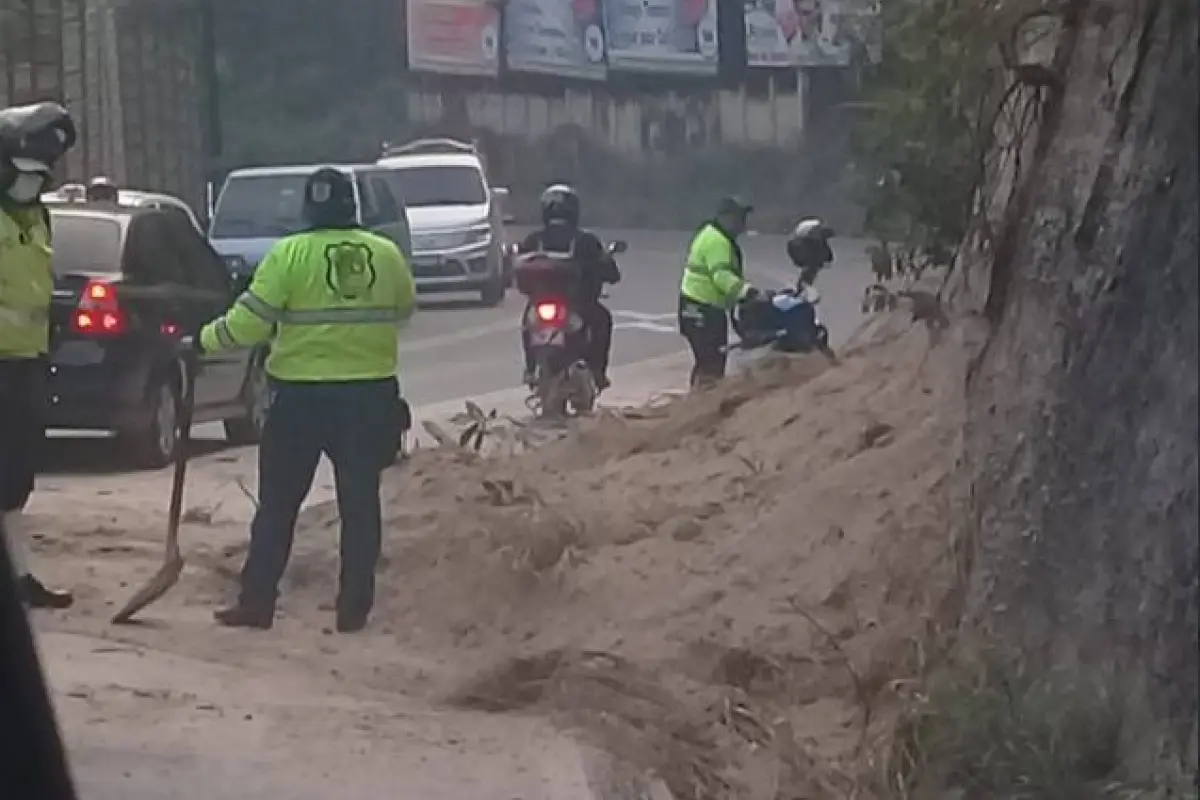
point(723, 591)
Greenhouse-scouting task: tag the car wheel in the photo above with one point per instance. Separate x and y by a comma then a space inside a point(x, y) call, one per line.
point(493, 292)
point(248, 429)
point(155, 445)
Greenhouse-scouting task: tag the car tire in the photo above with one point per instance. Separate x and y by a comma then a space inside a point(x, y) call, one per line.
point(247, 429)
point(493, 291)
point(155, 446)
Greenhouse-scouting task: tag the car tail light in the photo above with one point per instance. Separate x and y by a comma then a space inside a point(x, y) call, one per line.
point(99, 313)
point(550, 313)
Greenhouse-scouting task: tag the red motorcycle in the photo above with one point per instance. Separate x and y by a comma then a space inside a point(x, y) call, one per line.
point(562, 382)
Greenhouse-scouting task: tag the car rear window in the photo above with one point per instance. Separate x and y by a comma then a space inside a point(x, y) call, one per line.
point(85, 244)
point(442, 186)
point(260, 206)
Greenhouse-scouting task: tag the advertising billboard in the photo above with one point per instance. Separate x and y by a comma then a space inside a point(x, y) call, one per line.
point(457, 37)
point(812, 33)
point(662, 36)
point(557, 37)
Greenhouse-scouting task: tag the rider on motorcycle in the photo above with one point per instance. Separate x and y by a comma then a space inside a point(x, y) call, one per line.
point(561, 234)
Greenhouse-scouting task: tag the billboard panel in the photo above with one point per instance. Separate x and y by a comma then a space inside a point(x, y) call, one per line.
point(458, 37)
point(662, 36)
point(812, 33)
point(557, 37)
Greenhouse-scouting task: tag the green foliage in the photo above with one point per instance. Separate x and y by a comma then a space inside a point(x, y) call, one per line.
point(929, 126)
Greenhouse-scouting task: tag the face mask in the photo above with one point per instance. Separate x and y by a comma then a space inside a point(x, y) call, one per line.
point(27, 187)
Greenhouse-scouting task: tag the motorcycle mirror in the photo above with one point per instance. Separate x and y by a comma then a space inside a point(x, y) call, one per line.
point(617, 247)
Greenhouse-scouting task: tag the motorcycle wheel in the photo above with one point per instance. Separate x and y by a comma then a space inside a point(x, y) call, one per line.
point(551, 392)
point(584, 390)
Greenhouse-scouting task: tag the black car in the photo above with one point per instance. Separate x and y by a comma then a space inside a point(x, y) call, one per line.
point(129, 284)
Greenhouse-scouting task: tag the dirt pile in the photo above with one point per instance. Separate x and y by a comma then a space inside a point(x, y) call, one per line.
point(725, 590)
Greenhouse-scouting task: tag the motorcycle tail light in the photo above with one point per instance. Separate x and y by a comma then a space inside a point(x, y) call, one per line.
point(550, 313)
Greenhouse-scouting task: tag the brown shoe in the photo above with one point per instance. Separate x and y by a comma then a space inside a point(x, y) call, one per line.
point(240, 616)
point(35, 594)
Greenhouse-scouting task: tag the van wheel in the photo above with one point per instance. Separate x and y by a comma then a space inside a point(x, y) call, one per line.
point(248, 429)
point(493, 292)
point(154, 446)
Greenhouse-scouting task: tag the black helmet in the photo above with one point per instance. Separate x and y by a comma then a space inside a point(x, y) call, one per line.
point(808, 244)
point(329, 199)
point(560, 205)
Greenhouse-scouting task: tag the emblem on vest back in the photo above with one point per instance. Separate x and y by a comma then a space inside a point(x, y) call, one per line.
point(349, 269)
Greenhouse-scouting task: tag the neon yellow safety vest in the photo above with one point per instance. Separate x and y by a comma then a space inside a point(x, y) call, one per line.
point(26, 283)
point(713, 274)
point(329, 300)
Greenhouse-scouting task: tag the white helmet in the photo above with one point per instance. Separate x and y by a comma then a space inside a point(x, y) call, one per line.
point(811, 228)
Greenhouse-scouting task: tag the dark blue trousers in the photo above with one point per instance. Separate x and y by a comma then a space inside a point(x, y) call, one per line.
point(354, 424)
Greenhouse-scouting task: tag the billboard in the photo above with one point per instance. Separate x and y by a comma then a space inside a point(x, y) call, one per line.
point(662, 36)
point(812, 33)
point(558, 37)
point(458, 37)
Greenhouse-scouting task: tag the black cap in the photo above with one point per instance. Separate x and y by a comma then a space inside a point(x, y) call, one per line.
point(733, 204)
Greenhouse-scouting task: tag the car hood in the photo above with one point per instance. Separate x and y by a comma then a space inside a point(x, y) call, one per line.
point(252, 250)
point(424, 219)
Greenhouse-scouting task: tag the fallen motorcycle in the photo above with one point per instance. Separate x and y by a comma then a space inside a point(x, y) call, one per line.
point(561, 382)
point(786, 321)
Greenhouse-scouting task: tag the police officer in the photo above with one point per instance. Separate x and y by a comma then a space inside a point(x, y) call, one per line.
point(713, 282)
point(32, 140)
point(329, 298)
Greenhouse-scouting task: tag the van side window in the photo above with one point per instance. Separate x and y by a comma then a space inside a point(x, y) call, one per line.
point(389, 209)
point(369, 208)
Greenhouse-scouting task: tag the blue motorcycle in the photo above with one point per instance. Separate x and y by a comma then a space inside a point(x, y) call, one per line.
point(786, 321)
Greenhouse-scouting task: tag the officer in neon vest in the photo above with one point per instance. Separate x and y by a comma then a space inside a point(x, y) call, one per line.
point(713, 282)
point(32, 140)
point(329, 299)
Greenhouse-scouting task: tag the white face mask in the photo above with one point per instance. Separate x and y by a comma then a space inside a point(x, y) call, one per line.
point(27, 187)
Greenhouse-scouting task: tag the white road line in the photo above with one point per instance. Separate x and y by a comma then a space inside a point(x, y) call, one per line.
point(655, 327)
point(415, 345)
point(644, 317)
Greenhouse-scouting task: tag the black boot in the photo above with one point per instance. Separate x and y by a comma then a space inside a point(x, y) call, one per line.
point(351, 621)
point(244, 616)
point(35, 594)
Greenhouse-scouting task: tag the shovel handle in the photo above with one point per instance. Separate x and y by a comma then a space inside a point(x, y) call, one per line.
point(187, 405)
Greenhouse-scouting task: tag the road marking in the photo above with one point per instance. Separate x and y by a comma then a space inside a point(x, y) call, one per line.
point(641, 316)
point(654, 327)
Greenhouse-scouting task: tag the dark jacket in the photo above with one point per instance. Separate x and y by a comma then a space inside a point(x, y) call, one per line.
point(597, 265)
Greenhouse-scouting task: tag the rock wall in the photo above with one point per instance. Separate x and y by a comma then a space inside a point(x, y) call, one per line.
point(1081, 444)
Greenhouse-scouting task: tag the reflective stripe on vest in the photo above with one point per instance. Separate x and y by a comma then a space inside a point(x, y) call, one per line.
point(360, 315)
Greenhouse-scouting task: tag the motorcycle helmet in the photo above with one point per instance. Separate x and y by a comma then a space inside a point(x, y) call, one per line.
point(560, 205)
point(32, 140)
point(329, 199)
point(808, 245)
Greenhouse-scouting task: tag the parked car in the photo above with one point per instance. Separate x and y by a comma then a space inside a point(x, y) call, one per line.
point(76, 193)
point(260, 205)
point(129, 282)
point(456, 218)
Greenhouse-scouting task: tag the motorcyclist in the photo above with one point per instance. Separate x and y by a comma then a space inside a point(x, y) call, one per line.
point(32, 140)
point(561, 234)
point(713, 283)
point(808, 248)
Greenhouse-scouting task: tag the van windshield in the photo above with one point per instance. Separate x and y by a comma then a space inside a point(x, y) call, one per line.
point(442, 186)
point(260, 207)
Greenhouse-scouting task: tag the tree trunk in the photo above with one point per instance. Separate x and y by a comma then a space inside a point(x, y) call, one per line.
point(1081, 443)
